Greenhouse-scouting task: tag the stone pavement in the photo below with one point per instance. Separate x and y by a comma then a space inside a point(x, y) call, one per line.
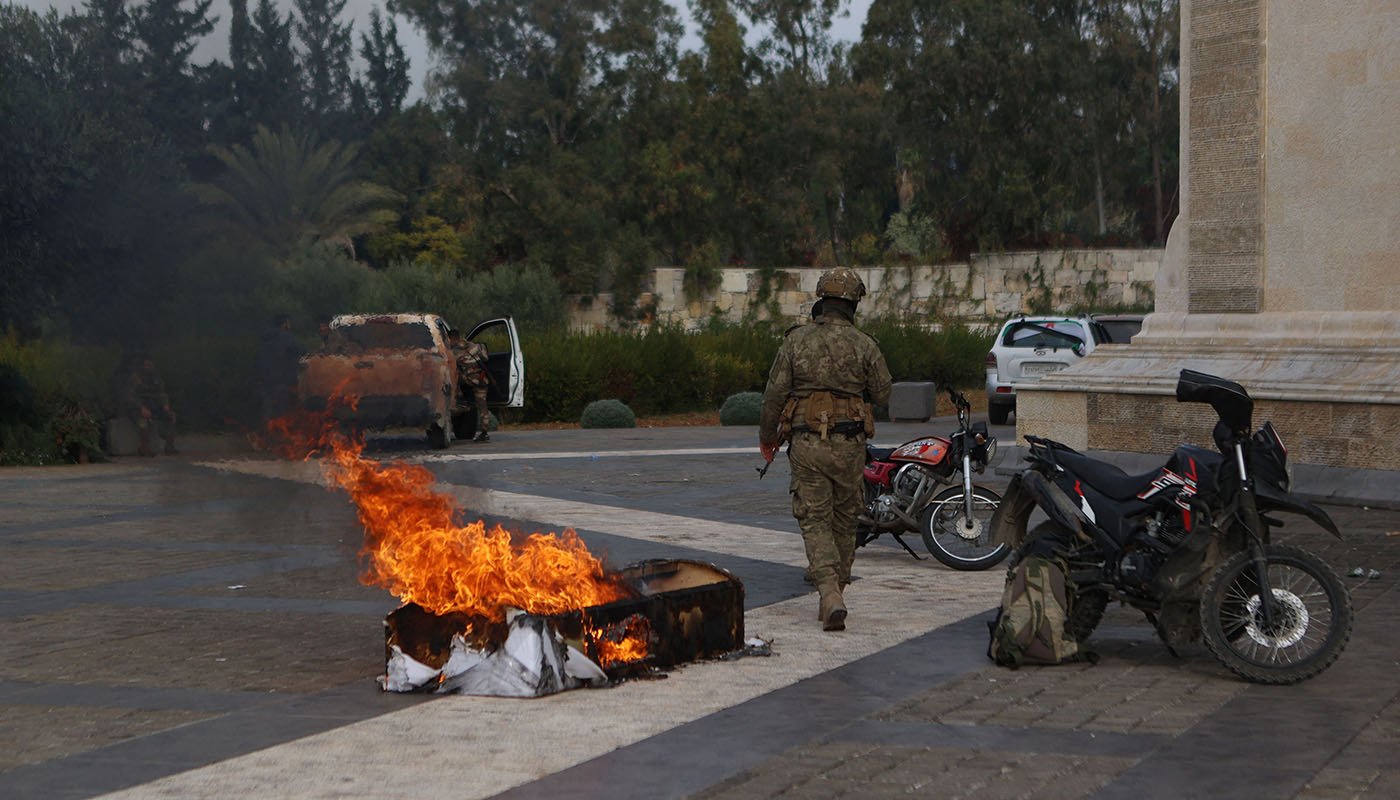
point(193, 627)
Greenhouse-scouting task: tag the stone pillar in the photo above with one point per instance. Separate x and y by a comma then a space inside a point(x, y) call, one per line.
point(1282, 271)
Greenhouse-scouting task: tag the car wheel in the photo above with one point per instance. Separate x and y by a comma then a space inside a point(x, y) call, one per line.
point(998, 414)
point(437, 437)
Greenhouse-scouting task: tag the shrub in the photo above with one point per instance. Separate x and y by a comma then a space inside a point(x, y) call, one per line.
point(608, 414)
point(952, 356)
point(51, 396)
point(666, 370)
point(741, 409)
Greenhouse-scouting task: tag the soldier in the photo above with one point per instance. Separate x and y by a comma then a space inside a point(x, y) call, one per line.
point(472, 377)
point(820, 390)
point(146, 404)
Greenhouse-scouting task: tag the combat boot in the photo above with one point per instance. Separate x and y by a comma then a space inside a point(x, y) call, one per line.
point(833, 607)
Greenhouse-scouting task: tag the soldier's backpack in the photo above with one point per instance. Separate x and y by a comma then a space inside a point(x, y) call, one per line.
point(1030, 626)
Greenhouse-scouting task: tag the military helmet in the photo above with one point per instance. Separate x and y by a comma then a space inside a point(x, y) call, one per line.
point(841, 282)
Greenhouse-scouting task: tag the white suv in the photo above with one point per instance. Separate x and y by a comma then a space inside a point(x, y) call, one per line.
point(1027, 348)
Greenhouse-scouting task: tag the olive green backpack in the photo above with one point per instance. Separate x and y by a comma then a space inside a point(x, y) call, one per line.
point(1030, 625)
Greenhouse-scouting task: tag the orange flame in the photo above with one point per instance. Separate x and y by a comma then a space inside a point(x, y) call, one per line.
point(622, 643)
point(416, 549)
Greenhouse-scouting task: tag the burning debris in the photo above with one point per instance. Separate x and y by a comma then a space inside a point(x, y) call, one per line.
point(533, 661)
point(489, 612)
point(683, 611)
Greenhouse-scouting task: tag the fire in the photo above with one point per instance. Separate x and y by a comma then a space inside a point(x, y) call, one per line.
point(417, 548)
point(622, 643)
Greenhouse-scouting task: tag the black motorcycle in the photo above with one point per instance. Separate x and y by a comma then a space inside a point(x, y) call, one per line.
point(1188, 544)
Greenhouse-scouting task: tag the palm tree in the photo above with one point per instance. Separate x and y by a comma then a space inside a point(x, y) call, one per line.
point(286, 189)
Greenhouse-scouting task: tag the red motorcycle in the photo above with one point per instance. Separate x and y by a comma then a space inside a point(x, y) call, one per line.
point(904, 492)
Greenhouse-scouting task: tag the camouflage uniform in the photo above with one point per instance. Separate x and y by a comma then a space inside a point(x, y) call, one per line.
point(824, 375)
point(145, 403)
point(472, 377)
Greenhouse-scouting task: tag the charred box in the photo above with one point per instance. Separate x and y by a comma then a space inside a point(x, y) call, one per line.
point(685, 610)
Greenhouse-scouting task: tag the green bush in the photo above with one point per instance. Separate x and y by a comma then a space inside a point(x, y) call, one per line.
point(23, 444)
point(666, 370)
point(744, 408)
point(953, 356)
point(607, 414)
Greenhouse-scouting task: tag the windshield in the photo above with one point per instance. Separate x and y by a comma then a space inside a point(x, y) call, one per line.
point(1120, 331)
point(386, 334)
point(1048, 333)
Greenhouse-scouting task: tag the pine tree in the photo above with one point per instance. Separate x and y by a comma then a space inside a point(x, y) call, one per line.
point(324, 59)
point(274, 95)
point(386, 82)
point(166, 35)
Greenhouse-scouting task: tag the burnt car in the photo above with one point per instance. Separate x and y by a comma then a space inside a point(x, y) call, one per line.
point(403, 373)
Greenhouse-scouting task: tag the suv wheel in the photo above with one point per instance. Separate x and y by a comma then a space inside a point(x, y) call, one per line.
point(998, 414)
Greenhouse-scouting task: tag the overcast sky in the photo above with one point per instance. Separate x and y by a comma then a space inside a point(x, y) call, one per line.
point(415, 46)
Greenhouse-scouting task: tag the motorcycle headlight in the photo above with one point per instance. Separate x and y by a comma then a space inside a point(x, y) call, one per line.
point(990, 450)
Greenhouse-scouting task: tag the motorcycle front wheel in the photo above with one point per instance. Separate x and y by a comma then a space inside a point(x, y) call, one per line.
point(956, 540)
point(1309, 626)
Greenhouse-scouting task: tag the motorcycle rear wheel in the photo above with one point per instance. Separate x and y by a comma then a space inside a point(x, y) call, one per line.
point(942, 527)
point(1311, 624)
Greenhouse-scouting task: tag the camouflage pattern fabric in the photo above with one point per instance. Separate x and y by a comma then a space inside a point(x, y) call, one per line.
point(826, 497)
point(826, 355)
point(1030, 628)
point(471, 363)
point(472, 380)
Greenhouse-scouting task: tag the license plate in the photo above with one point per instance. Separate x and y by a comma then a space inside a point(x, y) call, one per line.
point(1036, 370)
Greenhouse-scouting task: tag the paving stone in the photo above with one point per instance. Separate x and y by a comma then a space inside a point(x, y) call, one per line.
point(136, 605)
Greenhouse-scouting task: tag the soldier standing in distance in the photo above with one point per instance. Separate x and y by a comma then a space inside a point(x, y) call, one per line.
point(472, 377)
point(146, 404)
point(821, 387)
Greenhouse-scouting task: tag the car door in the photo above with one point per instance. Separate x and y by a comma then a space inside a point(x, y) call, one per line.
point(505, 363)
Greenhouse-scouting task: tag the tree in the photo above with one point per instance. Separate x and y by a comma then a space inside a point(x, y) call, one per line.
point(977, 99)
point(262, 74)
point(800, 31)
point(89, 225)
point(386, 82)
point(324, 59)
point(285, 189)
point(166, 35)
point(531, 90)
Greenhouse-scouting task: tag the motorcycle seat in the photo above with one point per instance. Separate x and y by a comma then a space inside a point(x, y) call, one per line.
point(1106, 478)
point(878, 453)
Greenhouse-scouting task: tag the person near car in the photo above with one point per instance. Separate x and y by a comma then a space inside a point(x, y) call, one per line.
point(277, 361)
point(472, 378)
point(823, 382)
point(146, 404)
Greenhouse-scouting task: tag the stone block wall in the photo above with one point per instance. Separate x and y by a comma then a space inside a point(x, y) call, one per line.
point(988, 289)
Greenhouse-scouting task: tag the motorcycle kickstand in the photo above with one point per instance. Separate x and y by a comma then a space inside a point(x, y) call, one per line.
point(906, 547)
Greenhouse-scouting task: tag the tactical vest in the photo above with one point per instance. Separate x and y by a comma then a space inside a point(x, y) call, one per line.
point(824, 412)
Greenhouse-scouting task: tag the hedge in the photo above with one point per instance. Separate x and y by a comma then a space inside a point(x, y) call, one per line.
point(667, 370)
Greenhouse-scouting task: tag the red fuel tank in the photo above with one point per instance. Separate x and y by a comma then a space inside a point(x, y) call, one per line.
point(930, 450)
